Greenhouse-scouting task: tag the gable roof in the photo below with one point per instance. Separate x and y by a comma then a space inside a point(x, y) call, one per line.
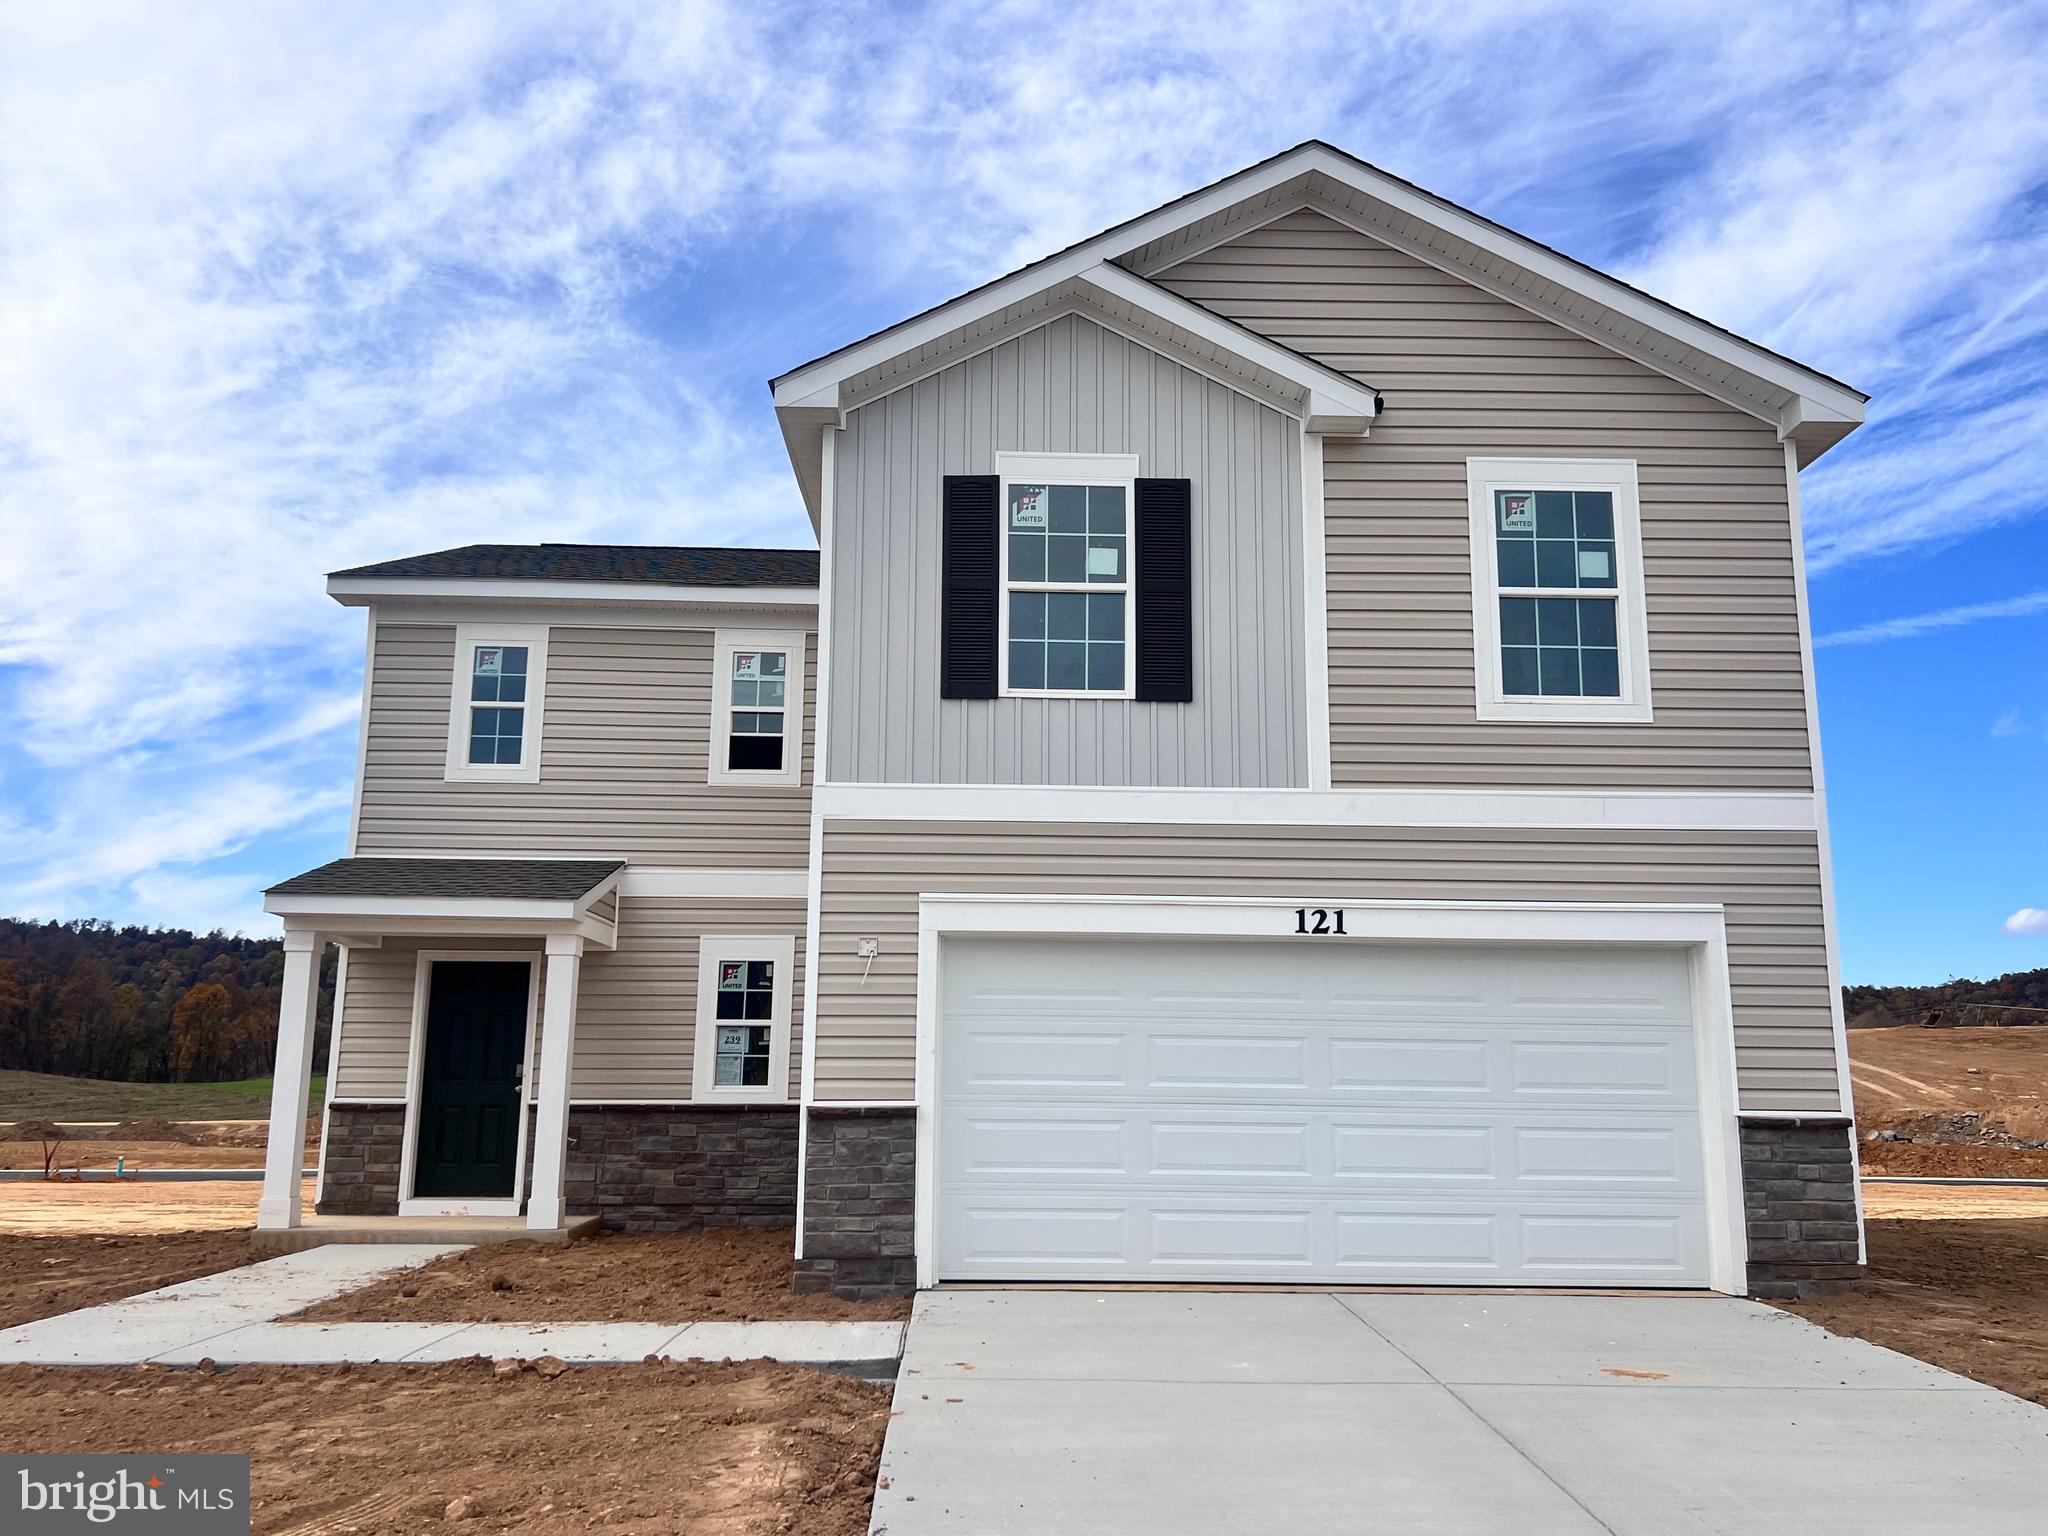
point(600, 572)
point(1806, 406)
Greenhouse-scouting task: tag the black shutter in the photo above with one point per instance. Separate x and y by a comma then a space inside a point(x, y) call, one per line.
point(968, 577)
point(1163, 522)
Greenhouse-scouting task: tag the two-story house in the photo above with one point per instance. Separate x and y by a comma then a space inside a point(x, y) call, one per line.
point(1314, 778)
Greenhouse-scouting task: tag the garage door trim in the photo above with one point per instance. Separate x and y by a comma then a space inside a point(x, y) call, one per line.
point(1697, 929)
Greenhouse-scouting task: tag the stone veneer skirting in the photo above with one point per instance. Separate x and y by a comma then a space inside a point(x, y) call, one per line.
point(1799, 1194)
point(860, 1172)
point(359, 1171)
point(642, 1168)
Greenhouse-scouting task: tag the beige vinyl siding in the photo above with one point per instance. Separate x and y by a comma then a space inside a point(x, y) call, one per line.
point(1465, 374)
point(636, 1006)
point(636, 1022)
point(1068, 387)
point(624, 754)
point(375, 1044)
point(1769, 883)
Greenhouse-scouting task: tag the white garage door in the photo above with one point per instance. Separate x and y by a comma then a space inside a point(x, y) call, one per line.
point(1317, 1110)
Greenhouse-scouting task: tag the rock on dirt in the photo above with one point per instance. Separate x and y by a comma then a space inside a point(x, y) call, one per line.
point(462, 1507)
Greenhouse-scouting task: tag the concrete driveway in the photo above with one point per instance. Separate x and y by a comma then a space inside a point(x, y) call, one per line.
point(1120, 1413)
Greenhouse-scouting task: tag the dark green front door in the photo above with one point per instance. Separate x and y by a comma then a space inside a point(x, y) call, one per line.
point(469, 1080)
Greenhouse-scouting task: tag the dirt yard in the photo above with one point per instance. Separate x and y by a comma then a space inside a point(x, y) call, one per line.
point(35, 1208)
point(659, 1277)
point(738, 1450)
point(1958, 1087)
point(42, 1276)
point(1968, 1296)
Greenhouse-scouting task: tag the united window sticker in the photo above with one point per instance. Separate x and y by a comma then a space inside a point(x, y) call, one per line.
point(490, 660)
point(732, 975)
point(1517, 511)
point(746, 665)
point(1028, 506)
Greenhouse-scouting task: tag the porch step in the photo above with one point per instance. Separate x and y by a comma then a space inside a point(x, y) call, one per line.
point(315, 1231)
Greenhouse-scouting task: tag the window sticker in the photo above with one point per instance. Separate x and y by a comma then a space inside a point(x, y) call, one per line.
point(1105, 562)
point(746, 665)
point(1517, 512)
point(732, 976)
point(490, 660)
point(1593, 565)
point(1028, 506)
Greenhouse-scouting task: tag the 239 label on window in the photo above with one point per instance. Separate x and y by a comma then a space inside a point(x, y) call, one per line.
point(1319, 920)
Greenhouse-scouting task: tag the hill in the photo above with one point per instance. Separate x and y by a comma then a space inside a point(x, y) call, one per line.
point(2000, 1001)
point(142, 1005)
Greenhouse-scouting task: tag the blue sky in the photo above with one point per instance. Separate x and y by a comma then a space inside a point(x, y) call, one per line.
point(292, 287)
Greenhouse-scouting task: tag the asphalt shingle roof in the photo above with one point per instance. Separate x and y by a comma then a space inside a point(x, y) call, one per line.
point(457, 879)
point(667, 565)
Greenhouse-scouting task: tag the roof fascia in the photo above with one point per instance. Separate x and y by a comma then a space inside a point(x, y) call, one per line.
point(361, 591)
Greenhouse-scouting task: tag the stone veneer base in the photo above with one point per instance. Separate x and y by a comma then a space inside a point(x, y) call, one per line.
point(1799, 1195)
point(860, 1172)
point(641, 1168)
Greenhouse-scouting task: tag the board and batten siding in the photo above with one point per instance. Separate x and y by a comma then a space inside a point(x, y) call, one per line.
point(1465, 374)
point(1769, 883)
point(625, 748)
point(1068, 387)
point(636, 1006)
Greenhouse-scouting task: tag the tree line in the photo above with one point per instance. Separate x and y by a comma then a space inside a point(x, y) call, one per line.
point(2020, 997)
point(143, 1005)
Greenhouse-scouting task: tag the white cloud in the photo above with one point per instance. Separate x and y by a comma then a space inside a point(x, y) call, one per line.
point(2009, 723)
point(2027, 920)
point(1911, 625)
point(296, 286)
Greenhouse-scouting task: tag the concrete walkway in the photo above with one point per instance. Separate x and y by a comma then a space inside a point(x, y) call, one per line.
point(1055, 1412)
point(232, 1319)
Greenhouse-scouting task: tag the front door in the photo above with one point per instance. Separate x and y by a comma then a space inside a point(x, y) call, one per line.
point(469, 1079)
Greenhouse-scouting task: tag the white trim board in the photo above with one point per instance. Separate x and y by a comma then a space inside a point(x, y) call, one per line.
point(1698, 929)
point(1315, 612)
point(355, 591)
point(1740, 810)
point(716, 884)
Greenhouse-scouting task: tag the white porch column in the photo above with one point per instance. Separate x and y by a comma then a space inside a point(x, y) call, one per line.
point(557, 1051)
point(284, 1154)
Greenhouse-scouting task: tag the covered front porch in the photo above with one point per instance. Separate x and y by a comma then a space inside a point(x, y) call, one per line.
point(474, 1139)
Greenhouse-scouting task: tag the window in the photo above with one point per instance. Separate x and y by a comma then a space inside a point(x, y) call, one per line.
point(744, 987)
point(757, 708)
point(1557, 590)
point(494, 714)
point(1067, 611)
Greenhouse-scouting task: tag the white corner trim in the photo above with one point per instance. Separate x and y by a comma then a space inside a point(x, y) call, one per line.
point(1315, 610)
point(716, 884)
point(527, 770)
point(1483, 477)
point(1698, 929)
point(416, 1049)
point(712, 950)
point(1734, 810)
point(791, 642)
point(814, 886)
point(333, 1066)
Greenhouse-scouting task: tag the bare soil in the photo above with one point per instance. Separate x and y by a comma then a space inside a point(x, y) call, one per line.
point(36, 1208)
point(1938, 1160)
point(101, 1152)
point(736, 1450)
point(655, 1277)
point(42, 1276)
point(1964, 1295)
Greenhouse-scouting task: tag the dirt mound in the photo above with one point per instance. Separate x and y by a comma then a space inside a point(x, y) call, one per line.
point(1948, 1161)
point(37, 1130)
point(736, 1274)
point(152, 1129)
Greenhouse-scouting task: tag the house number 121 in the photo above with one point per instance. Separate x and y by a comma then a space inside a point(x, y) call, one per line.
point(1319, 920)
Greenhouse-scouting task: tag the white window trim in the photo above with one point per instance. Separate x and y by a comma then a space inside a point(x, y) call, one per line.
point(1067, 469)
point(467, 637)
point(712, 949)
point(790, 641)
point(1617, 476)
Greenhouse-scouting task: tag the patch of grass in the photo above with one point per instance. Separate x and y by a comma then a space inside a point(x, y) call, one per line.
point(40, 1096)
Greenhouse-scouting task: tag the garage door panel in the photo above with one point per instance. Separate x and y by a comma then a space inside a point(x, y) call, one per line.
point(1392, 1113)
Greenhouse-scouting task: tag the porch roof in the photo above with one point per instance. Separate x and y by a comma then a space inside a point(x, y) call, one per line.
point(361, 900)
